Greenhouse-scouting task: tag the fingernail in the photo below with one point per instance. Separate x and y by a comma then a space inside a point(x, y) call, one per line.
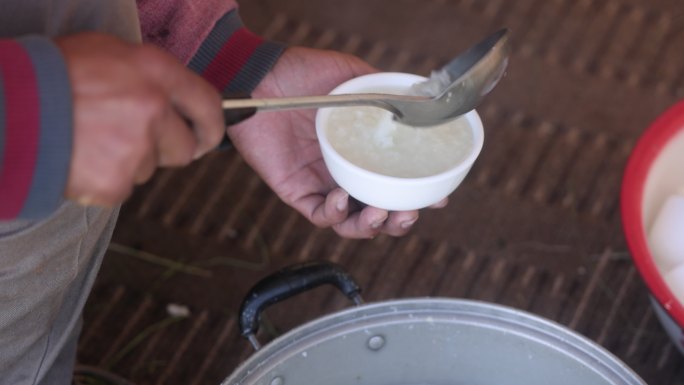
point(342, 202)
point(378, 223)
point(407, 224)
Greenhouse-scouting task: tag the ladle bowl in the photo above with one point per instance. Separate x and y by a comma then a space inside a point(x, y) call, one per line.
point(469, 78)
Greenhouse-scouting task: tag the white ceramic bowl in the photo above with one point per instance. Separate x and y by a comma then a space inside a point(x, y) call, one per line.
point(387, 192)
point(653, 173)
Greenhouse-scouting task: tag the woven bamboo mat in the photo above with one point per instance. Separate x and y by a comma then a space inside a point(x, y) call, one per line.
point(535, 225)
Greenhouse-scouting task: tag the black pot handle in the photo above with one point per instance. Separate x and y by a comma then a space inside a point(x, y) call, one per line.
point(288, 282)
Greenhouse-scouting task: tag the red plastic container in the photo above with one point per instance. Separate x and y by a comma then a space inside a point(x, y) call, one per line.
point(655, 170)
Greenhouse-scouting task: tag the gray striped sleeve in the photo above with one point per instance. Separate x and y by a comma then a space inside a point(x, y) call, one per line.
point(54, 147)
point(221, 32)
point(256, 68)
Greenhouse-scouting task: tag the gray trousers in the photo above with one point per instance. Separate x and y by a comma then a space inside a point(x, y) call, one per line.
point(47, 267)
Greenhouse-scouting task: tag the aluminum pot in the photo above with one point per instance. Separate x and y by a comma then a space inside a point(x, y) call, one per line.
point(433, 341)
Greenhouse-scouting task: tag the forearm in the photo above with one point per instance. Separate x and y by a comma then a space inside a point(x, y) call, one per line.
point(35, 128)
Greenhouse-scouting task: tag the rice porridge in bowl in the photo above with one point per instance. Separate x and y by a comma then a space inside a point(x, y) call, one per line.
point(390, 165)
point(370, 138)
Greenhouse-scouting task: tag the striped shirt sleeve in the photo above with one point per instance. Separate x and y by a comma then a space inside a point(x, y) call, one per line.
point(211, 39)
point(35, 127)
point(234, 59)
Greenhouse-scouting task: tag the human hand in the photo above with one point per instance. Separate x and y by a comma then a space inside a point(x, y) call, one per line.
point(136, 108)
point(283, 149)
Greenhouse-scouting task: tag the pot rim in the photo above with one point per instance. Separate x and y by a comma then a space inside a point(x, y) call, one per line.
point(495, 316)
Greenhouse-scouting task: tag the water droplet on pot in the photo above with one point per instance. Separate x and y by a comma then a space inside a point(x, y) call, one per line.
point(376, 342)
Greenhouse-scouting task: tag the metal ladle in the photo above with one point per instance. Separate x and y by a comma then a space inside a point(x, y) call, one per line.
point(471, 76)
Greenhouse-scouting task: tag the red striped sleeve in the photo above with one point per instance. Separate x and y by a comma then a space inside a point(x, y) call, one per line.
point(231, 58)
point(234, 59)
point(22, 125)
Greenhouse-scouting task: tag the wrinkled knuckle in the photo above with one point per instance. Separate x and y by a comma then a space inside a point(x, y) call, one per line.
point(149, 102)
point(321, 224)
point(140, 154)
point(180, 155)
point(209, 140)
point(216, 136)
point(213, 96)
point(136, 142)
point(185, 155)
point(319, 220)
point(187, 150)
point(144, 175)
